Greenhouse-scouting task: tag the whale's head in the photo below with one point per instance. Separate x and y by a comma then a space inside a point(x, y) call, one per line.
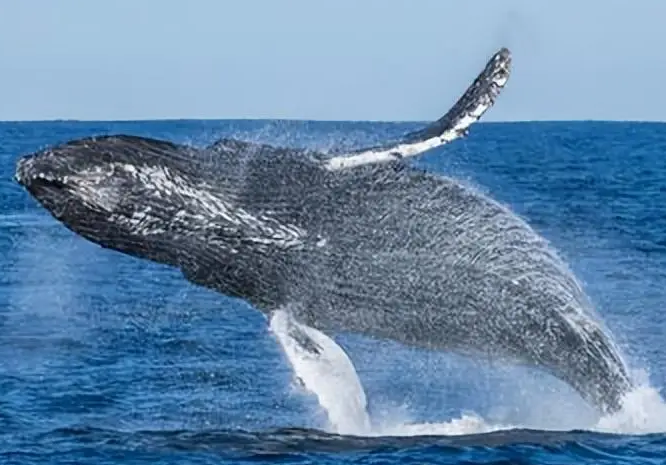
point(159, 201)
point(122, 192)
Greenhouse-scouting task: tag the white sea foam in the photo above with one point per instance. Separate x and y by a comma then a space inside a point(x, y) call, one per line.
point(467, 423)
point(643, 411)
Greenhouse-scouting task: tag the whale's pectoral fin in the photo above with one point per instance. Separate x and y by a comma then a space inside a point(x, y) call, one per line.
point(477, 99)
point(322, 367)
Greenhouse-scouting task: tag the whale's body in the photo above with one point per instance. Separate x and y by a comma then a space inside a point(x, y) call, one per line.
point(362, 243)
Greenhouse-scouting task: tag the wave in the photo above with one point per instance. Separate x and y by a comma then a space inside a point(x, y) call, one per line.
point(576, 446)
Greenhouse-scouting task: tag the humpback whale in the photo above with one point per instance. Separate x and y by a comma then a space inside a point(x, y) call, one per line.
point(356, 241)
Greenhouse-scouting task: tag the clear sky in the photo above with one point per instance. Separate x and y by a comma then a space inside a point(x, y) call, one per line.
point(328, 59)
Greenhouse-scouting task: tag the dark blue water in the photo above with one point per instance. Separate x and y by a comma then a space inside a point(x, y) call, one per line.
point(108, 359)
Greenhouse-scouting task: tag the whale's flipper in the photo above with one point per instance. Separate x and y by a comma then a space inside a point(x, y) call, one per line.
point(469, 108)
point(322, 367)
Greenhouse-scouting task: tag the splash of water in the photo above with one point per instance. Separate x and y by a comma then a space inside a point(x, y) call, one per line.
point(326, 371)
point(643, 411)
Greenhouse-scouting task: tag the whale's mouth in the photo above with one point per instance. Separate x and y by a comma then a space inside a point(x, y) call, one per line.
point(34, 173)
point(45, 184)
point(50, 182)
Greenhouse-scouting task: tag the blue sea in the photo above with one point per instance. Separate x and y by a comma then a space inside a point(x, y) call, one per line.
point(106, 359)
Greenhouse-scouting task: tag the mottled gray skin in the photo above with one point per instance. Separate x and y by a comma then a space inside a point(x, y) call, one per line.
point(388, 251)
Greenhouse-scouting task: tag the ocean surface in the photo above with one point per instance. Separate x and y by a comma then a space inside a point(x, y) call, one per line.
point(106, 359)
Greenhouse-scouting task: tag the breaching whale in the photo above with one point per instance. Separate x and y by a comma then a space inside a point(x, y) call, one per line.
point(354, 241)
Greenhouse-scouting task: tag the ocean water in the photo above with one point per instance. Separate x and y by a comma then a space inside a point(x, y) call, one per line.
point(105, 359)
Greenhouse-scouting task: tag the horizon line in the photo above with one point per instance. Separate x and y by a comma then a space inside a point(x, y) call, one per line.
point(305, 120)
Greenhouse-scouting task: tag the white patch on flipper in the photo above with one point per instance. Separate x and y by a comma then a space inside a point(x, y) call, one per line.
point(495, 76)
point(327, 372)
point(392, 154)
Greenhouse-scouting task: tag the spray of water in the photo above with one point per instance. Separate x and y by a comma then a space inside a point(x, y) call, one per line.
point(326, 372)
point(643, 412)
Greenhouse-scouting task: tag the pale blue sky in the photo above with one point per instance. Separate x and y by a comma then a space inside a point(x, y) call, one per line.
point(328, 59)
